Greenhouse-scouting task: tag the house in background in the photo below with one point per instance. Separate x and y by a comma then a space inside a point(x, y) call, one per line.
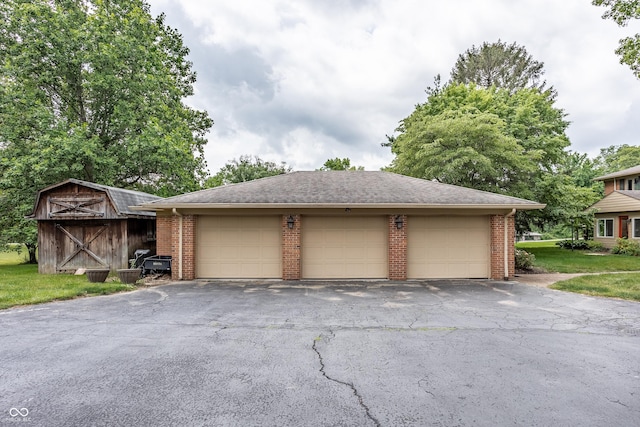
point(87, 225)
point(338, 225)
point(618, 212)
point(528, 236)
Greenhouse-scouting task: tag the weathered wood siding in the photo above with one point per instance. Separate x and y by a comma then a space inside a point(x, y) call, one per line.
point(76, 202)
point(46, 247)
point(68, 245)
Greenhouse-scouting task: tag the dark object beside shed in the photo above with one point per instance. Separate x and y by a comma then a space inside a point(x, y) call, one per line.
point(159, 264)
point(87, 225)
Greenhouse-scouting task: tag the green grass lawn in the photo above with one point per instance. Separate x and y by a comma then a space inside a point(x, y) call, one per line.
point(622, 285)
point(537, 244)
point(554, 259)
point(13, 257)
point(20, 284)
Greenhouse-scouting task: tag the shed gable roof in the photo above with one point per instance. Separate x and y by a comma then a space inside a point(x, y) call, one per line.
point(340, 188)
point(121, 199)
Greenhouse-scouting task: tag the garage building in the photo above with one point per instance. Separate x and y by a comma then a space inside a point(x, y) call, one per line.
point(338, 225)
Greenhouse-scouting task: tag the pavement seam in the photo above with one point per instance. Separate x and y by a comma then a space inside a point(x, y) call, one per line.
point(350, 385)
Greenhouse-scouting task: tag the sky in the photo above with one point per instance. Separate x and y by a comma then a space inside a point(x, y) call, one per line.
point(304, 81)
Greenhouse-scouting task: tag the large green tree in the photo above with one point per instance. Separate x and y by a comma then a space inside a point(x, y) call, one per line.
point(490, 139)
point(617, 157)
point(246, 168)
point(468, 148)
point(498, 64)
point(621, 12)
point(570, 191)
point(339, 164)
point(581, 169)
point(94, 90)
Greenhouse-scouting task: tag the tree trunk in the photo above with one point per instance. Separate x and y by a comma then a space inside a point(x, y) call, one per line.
point(32, 253)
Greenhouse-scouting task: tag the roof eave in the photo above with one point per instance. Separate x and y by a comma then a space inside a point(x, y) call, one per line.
point(160, 207)
point(626, 172)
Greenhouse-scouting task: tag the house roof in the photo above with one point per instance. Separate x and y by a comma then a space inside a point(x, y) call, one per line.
point(626, 172)
point(340, 189)
point(122, 199)
point(634, 194)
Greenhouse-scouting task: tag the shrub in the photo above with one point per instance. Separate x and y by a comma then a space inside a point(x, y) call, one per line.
point(597, 246)
point(524, 260)
point(626, 247)
point(581, 245)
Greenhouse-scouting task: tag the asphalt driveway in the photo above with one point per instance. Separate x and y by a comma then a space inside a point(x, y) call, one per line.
point(432, 353)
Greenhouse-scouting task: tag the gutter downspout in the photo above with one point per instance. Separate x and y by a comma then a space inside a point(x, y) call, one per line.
point(506, 241)
point(175, 212)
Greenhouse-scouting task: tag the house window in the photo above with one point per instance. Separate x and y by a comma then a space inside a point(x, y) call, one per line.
point(636, 228)
point(605, 227)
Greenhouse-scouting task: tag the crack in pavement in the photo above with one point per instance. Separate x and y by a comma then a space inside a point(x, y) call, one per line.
point(415, 321)
point(617, 401)
point(350, 385)
point(423, 383)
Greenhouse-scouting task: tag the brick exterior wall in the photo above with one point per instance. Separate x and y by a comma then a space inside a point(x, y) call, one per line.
point(497, 246)
point(168, 243)
point(397, 249)
point(609, 186)
point(291, 240)
point(163, 234)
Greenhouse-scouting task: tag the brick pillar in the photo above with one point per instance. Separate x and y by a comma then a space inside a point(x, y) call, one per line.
point(511, 242)
point(397, 249)
point(175, 254)
point(497, 246)
point(291, 240)
point(188, 247)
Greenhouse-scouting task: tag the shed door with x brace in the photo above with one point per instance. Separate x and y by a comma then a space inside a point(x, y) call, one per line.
point(82, 245)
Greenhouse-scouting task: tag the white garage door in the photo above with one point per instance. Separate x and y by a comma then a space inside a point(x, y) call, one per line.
point(238, 247)
point(449, 247)
point(344, 247)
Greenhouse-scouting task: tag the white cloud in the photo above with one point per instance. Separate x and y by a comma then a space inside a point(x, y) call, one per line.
point(304, 81)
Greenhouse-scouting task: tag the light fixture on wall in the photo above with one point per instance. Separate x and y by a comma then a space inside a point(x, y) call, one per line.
point(399, 222)
point(290, 221)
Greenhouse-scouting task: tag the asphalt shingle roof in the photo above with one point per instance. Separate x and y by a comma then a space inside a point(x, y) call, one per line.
point(342, 188)
point(634, 194)
point(631, 171)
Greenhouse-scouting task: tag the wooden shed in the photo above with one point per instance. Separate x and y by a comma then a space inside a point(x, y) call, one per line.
point(87, 225)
